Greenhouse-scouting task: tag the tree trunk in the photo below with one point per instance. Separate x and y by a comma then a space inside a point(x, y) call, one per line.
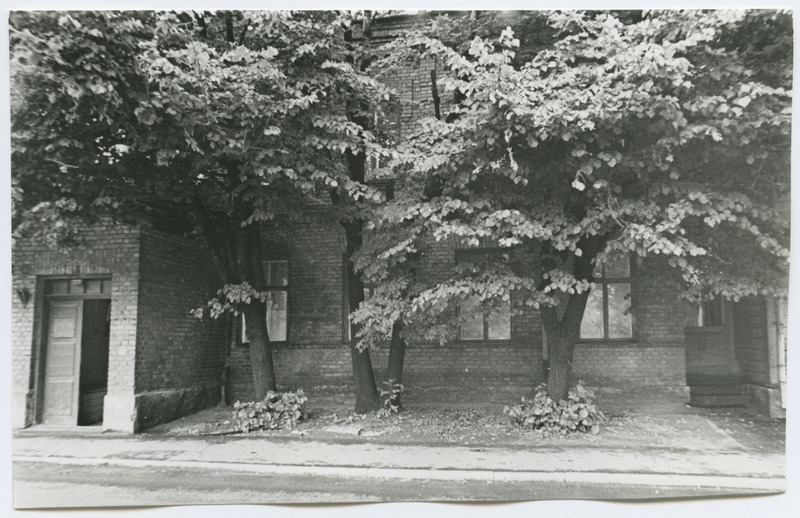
point(562, 333)
point(237, 256)
point(560, 373)
point(367, 399)
point(260, 349)
point(397, 354)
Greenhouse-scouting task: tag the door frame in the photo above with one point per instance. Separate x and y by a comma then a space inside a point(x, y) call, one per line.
point(41, 318)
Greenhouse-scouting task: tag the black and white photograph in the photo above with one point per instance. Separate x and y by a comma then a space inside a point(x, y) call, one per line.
point(336, 256)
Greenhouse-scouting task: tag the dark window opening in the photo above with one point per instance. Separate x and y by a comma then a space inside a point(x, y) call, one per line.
point(710, 313)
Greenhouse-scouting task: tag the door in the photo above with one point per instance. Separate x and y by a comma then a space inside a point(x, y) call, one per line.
point(62, 362)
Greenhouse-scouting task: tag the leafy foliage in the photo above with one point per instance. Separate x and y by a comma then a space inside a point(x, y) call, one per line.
point(229, 299)
point(389, 393)
point(211, 124)
point(145, 113)
point(578, 413)
point(276, 411)
point(661, 134)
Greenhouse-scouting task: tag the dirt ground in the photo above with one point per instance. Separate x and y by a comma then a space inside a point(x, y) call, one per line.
point(653, 418)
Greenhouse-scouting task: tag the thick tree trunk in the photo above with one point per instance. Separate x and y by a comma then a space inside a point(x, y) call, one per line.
point(367, 399)
point(397, 354)
point(237, 256)
point(560, 374)
point(562, 333)
point(260, 349)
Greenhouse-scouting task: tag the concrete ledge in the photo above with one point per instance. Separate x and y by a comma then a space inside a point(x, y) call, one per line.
point(119, 412)
point(767, 401)
point(160, 406)
point(22, 409)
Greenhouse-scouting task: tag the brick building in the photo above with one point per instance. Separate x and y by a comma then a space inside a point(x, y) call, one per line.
point(103, 334)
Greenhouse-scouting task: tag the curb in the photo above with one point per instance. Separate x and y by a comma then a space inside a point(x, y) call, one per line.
point(763, 485)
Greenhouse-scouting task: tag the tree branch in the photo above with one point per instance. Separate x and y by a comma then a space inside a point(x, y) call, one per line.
point(435, 94)
point(229, 28)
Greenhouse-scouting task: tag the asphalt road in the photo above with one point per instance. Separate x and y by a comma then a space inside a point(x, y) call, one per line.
point(53, 485)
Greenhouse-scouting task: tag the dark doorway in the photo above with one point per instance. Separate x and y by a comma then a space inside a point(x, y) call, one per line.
point(94, 361)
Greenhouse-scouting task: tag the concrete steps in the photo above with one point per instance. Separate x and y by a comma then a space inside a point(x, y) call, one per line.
point(718, 393)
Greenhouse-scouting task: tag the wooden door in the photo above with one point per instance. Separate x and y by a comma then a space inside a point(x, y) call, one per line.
point(62, 362)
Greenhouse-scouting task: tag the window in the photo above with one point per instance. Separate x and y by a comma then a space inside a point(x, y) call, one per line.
point(369, 291)
point(481, 323)
point(607, 315)
point(90, 286)
point(710, 313)
point(277, 279)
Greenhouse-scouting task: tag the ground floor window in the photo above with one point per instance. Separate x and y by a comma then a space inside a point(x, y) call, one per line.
point(608, 311)
point(369, 291)
point(277, 280)
point(482, 323)
point(709, 313)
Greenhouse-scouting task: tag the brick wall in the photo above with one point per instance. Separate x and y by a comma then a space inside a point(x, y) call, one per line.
point(656, 354)
point(750, 339)
point(316, 356)
point(425, 366)
point(178, 358)
point(108, 249)
point(636, 363)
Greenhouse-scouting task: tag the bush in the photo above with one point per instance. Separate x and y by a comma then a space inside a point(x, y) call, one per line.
point(390, 392)
point(578, 413)
point(277, 410)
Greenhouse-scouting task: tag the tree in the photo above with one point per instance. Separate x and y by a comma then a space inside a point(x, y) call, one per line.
point(661, 134)
point(223, 121)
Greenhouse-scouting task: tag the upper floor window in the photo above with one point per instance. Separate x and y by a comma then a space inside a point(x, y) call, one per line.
point(607, 315)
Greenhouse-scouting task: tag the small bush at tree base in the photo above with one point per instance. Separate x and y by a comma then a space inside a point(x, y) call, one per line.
point(277, 410)
point(578, 413)
point(390, 391)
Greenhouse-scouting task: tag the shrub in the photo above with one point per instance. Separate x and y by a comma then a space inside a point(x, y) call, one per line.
point(578, 413)
point(390, 392)
point(277, 410)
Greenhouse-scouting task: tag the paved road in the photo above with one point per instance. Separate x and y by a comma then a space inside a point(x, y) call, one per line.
point(39, 484)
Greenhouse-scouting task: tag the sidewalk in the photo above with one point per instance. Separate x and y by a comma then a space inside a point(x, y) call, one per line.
point(751, 471)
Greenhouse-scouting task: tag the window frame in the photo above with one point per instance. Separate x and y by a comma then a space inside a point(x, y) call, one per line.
point(470, 253)
point(369, 291)
point(486, 316)
point(270, 287)
point(602, 282)
point(702, 313)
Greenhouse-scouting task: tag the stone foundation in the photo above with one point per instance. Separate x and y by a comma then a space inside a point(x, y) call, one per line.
point(160, 406)
point(767, 401)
